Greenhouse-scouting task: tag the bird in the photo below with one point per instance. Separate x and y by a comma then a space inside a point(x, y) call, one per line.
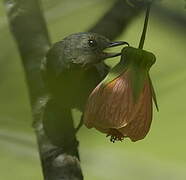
point(72, 68)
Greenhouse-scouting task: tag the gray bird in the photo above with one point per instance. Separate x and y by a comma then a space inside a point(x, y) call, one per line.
point(72, 69)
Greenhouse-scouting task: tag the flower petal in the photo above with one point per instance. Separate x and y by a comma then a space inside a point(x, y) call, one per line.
point(141, 118)
point(110, 106)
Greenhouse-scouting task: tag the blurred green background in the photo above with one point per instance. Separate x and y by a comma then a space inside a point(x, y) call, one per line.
point(160, 156)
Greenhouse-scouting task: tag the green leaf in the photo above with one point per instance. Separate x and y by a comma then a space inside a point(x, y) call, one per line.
point(138, 77)
point(154, 95)
point(115, 72)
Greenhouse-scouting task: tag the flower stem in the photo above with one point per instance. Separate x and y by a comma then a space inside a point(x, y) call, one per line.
point(142, 40)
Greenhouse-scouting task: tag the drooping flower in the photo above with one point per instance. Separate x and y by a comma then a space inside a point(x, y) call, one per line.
point(121, 105)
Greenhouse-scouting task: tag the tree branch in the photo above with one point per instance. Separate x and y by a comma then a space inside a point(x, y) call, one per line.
point(118, 17)
point(170, 16)
point(29, 30)
point(121, 14)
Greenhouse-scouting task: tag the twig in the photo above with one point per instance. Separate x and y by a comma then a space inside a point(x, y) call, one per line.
point(171, 16)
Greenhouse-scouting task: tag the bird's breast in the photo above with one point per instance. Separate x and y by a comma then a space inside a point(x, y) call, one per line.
point(73, 87)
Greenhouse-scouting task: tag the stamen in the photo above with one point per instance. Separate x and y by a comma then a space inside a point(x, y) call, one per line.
point(115, 135)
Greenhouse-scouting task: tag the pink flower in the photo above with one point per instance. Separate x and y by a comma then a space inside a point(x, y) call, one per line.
point(111, 109)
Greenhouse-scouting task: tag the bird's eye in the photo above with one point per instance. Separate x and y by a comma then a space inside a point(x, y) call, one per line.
point(92, 43)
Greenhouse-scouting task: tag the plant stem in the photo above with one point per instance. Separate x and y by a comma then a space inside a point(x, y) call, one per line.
point(142, 40)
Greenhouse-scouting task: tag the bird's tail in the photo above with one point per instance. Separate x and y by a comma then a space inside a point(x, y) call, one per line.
point(58, 126)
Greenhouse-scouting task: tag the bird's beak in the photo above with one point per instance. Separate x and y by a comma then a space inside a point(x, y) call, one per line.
point(114, 44)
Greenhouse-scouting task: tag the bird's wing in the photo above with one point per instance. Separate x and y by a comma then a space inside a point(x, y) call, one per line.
point(53, 64)
point(55, 61)
point(102, 69)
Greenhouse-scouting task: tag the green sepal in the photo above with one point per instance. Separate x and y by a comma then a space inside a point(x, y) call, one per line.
point(137, 77)
point(115, 72)
point(154, 95)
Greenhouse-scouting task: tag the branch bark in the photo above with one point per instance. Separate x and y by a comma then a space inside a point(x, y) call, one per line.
point(29, 29)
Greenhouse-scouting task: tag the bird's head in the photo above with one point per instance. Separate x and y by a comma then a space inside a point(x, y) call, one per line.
point(88, 48)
